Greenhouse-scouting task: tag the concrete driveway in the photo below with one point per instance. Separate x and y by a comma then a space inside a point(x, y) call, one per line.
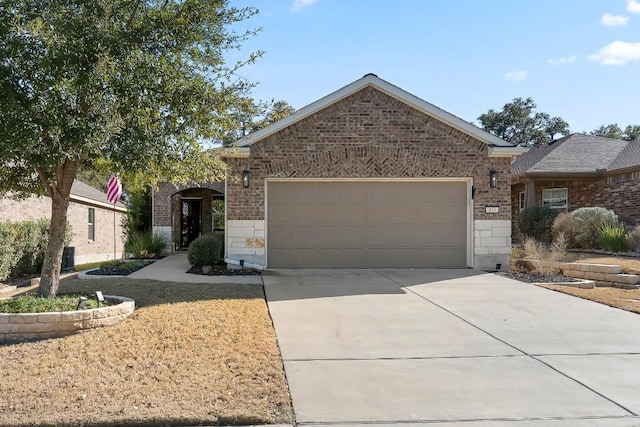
point(451, 347)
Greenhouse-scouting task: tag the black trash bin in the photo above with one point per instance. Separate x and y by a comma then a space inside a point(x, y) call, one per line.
point(68, 258)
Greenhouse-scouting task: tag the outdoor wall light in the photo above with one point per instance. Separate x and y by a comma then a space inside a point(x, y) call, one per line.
point(245, 178)
point(493, 179)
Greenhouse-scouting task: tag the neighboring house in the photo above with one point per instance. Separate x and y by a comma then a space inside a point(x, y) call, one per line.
point(182, 213)
point(90, 215)
point(370, 176)
point(579, 171)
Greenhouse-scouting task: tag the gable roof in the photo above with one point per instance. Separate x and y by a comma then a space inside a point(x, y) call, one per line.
point(578, 154)
point(497, 145)
point(84, 193)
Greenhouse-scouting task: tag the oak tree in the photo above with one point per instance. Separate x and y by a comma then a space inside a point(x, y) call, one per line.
point(127, 86)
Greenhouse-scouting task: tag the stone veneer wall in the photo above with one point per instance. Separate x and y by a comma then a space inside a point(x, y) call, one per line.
point(29, 326)
point(366, 135)
point(491, 244)
point(86, 251)
point(245, 240)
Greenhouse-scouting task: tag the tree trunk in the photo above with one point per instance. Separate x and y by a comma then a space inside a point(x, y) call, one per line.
point(60, 193)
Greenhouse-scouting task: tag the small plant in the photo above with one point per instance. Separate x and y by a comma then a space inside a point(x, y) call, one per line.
point(32, 304)
point(613, 238)
point(535, 221)
point(206, 250)
point(146, 244)
point(587, 223)
point(633, 239)
point(563, 225)
point(541, 257)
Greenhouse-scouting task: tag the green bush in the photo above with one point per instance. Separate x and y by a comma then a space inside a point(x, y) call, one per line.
point(22, 246)
point(206, 250)
point(588, 223)
point(613, 238)
point(535, 221)
point(146, 244)
point(633, 239)
point(8, 259)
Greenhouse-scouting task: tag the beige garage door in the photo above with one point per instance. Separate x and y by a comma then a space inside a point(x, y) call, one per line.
point(370, 224)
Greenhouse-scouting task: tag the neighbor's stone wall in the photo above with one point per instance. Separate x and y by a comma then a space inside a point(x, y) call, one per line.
point(86, 251)
point(29, 326)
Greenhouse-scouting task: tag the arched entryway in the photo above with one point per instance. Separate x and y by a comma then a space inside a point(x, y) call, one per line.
point(195, 211)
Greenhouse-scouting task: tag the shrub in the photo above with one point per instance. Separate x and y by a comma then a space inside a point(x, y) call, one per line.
point(146, 244)
point(563, 226)
point(633, 239)
point(8, 259)
point(22, 246)
point(587, 223)
point(535, 221)
point(206, 250)
point(613, 238)
point(539, 256)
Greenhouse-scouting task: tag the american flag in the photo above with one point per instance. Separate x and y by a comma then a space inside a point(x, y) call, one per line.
point(114, 189)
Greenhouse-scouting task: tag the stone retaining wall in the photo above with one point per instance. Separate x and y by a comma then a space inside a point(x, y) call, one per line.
point(601, 274)
point(30, 326)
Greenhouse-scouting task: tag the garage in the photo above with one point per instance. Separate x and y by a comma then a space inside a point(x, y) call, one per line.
point(367, 223)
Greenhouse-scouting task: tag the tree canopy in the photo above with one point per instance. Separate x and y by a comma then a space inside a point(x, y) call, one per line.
point(249, 115)
point(613, 131)
point(519, 123)
point(126, 86)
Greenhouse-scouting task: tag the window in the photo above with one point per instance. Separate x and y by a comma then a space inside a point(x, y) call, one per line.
point(555, 198)
point(92, 224)
point(217, 212)
point(521, 200)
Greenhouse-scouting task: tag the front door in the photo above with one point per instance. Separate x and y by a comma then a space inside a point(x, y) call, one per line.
point(190, 221)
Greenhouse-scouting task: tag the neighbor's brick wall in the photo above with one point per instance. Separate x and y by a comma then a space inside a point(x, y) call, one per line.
point(35, 207)
point(367, 135)
point(620, 193)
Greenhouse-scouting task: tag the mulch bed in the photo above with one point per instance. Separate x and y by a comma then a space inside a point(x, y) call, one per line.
point(535, 278)
point(121, 269)
point(222, 270)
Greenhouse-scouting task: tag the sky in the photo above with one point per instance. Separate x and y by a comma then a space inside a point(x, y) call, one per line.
point(577, 59)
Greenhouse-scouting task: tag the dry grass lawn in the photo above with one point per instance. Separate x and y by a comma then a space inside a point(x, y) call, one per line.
point(625, 299)
point(190, 354)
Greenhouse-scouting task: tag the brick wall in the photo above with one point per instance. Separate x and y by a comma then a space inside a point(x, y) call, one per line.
point(166, 206)
point(619, 193)
point(372, 135)
point(100, 249)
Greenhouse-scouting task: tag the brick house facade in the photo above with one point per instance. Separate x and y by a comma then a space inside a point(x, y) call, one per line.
point(83, 199)
point(594, 171)
point(372, 131)
point(170, 201)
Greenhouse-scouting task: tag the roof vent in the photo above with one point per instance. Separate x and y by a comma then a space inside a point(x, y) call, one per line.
point(369, 74)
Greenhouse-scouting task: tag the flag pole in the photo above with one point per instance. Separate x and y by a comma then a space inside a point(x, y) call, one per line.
point(114, 231)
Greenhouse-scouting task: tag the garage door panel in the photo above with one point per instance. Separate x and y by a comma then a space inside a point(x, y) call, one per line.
point(367, 224)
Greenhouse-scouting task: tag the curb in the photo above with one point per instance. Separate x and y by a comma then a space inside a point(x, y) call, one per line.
point(583, 284)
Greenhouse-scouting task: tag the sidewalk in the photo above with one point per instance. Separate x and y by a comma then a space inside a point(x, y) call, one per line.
point(173, 269)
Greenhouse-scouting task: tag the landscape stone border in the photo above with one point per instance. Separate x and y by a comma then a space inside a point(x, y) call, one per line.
point(33, 326)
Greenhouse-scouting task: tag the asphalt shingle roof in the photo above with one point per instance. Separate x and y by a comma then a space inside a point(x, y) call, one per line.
point(578, 153)
point(80, 189)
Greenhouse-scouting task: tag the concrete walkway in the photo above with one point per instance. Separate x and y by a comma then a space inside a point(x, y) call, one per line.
point(173, 268)
point(451, 347)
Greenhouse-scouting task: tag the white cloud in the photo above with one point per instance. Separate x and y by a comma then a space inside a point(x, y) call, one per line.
point(633, 6)
point(516, 76)
point(609, 20)
point(298, 5)
point(617, 53)
point(567, 60)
